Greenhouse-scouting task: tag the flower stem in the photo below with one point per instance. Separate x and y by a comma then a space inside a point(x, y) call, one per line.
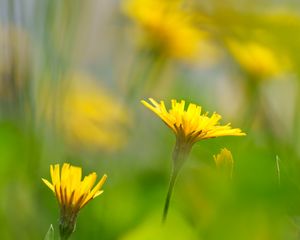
point(169, 194)
point(180, 154)
point(67, 224)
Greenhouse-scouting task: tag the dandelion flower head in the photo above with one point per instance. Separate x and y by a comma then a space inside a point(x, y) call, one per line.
point(189, 125)
point(71, 191)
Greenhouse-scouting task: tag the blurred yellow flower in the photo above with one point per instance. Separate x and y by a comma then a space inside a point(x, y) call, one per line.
point(224, 161)
point(169, 26)
point(190, 125)
point(72, 193)
point(91, 117)
point(257, 58)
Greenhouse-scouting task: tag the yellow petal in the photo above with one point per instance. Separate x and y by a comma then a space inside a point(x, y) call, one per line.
point(48, 184)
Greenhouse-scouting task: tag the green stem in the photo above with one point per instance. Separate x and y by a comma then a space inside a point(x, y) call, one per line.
point(253, 96)
point(180, 154)
point(67, 223)
point(173, 178)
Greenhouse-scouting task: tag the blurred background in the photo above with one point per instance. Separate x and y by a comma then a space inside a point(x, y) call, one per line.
point(72, 74)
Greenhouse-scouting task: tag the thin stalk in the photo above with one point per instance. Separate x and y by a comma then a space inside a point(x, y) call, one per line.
point(253, 95)
point(173, 178)
point(180, 154)
point(278, 170)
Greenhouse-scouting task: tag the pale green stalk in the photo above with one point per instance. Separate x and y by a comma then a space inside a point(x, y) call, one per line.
point(180, 154)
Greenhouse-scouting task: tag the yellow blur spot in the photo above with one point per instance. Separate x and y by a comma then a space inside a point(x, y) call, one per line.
point(257, 58)
point(89, 116)
point(93, 117)
point(169, 27)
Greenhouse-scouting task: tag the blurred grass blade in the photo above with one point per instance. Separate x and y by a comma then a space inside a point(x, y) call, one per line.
point(50, 233)
point(278, 169)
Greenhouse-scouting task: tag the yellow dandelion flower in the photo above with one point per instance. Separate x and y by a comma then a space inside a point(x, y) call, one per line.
point(168, 25)
point(89, 116)
point(257, 58)
point(224, 161)
point(189, 126)
point(72, 193)
point(93, 117)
